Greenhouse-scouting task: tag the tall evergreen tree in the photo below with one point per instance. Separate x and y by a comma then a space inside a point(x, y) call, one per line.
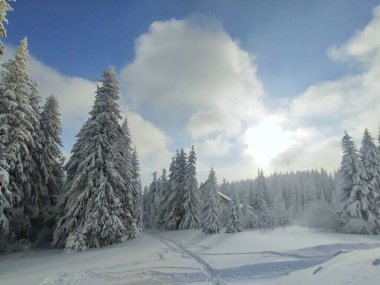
point(370, 158)
point(234, 223)
point(124, 165)
point(6, 108)
point(165, 193)
point(249, 219)
point(263, 203)
point(211, 212)
point(93, 213)
point(266, 217)
point(168, 195)
point(19, 119)
point(137, 192)
point(174, 205)
point(38, 185)
point(263, 188)
point(152, 204)
point(190, 219)
point(50, 157)
point(355, 207)
point(258, 194)
point(5, 194)
point(52, 172)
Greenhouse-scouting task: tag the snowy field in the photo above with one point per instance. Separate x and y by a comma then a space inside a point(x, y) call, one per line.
point(190, 257)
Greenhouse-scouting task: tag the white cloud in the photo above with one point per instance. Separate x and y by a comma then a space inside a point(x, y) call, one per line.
point(364, 45)
point(216, 146)
point(204, 123)
point(146, 136)
point(193, 72)
point(197, 74)
point(324, 154)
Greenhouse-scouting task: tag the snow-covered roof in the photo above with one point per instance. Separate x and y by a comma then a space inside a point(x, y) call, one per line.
point(224, 196)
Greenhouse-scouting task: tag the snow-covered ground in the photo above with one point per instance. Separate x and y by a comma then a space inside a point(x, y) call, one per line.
point(190, 257)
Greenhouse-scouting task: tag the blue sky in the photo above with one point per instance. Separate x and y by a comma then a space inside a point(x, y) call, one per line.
point(282, 57)
point(288, 38)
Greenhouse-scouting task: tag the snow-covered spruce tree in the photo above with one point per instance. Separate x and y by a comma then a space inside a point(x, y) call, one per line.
point(52, 172)
point(174, 212)
point(93, 212)
point(152, 204)
point(249, 219)
point(281, 215)
point(4, 9)
point(266, 218)
point(51, 169)
point(124, 164)
point(211, 212)
point(19, 143)
point(263, 188)
point(354, 209)
point(263, 203)
point(191, 208)
point(169, 195)
point(39, 216)
point(370, 157)
point(234, 223)
point(258, 196)
point(5, 193)
point(164, 193)
point(137, 192)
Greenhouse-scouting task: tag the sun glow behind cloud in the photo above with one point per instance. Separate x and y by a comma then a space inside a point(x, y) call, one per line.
point(267, 139)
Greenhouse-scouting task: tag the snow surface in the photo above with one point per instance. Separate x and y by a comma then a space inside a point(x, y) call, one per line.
point(190, 257)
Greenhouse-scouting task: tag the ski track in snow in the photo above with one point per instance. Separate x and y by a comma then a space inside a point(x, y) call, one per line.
point(305, 258)
point(212, 277)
